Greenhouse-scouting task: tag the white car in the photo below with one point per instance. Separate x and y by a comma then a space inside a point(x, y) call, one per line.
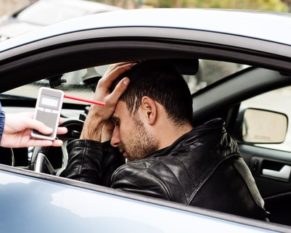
point(45, 12)
point(238, 67)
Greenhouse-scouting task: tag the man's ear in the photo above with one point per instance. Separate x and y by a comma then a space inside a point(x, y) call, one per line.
point(149, 109)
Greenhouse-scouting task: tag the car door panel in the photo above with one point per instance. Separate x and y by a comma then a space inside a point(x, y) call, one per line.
point(58, 201)
point(271, 170)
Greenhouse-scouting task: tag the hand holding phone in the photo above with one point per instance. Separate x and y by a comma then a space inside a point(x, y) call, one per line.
point(47, 110)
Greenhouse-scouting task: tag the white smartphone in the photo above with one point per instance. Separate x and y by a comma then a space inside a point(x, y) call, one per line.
point(47, 110)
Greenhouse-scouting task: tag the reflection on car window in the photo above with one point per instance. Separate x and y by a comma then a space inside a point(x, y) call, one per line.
point(278, 101)
point(210, 72)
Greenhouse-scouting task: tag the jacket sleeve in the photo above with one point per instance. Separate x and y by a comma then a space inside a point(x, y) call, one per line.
point(92, 162)
point(99, 163)
point(141, 179)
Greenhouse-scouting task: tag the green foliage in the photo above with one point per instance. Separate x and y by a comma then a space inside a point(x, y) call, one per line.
point(263, 5)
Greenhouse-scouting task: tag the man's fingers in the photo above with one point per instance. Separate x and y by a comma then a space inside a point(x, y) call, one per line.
point(115, 66)
point(118, 90)
point(107, 131)
point(113, 73)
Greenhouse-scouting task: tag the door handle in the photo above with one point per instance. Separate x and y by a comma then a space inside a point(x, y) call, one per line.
point(282, 174)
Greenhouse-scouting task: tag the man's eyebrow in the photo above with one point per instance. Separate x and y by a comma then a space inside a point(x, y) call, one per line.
point(115, 119)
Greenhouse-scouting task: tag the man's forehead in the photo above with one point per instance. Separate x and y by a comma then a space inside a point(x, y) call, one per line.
point(120, 109)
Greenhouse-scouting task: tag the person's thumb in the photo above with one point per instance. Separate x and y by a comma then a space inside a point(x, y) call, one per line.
point(38, 126)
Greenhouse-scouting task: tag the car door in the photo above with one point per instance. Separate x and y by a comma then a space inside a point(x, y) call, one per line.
point(270, 163)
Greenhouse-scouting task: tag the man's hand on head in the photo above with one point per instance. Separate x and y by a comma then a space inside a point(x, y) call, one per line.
point(103, 93)
point(97, 115)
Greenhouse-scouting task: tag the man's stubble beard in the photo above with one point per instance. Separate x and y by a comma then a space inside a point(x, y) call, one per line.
point(141, 144)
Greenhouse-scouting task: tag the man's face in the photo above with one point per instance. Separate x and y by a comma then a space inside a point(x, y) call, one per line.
point(130, 134)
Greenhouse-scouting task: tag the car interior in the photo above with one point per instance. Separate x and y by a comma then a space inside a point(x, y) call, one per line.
point(250, 109)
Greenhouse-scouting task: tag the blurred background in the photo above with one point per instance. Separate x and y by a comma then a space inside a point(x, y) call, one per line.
point(21, 16)
point(11, 6)
point(269, 5)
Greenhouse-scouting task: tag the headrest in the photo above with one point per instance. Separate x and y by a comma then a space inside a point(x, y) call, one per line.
point(186, 66)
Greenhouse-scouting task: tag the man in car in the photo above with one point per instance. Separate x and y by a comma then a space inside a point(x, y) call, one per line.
point(147, 119)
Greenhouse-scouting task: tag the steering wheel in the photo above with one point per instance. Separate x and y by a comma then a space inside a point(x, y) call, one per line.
point(53, 160)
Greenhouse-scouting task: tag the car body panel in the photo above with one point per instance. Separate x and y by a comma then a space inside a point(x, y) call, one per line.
point(252, 25)
point(58, 207)
point(12, 29)
point(45, 12)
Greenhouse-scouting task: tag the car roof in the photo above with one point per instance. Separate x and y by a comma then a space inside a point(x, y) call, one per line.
point(60, 10)
point(260, 25)
point(46, 12)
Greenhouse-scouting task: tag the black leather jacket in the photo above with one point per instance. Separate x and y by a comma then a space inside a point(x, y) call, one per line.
point(202, 168)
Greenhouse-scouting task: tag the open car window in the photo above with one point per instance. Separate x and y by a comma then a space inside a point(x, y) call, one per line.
point(211, 71)
point(82, 82)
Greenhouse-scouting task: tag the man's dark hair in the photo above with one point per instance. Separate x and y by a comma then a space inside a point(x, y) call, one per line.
point(159, 80)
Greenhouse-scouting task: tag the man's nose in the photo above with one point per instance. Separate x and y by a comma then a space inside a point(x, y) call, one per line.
point(115, 139)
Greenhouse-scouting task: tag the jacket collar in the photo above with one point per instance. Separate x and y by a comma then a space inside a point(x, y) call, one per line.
point(214, 126)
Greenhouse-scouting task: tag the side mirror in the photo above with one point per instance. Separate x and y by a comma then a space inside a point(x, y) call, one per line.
point(259, 126)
